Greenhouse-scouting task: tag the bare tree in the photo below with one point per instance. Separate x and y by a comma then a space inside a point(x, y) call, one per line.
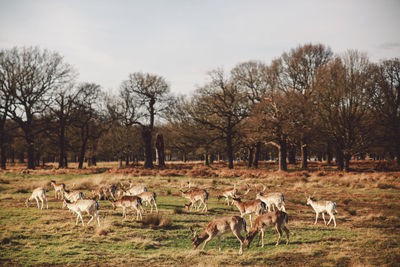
point(344, 94)
point(36, 73)
point(145, 96)
point(221, 105)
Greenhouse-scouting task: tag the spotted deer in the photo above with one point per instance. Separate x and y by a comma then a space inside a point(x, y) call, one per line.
point(149, 198)
point(38, 194)
point(249, 207)
point(218, 227)
point(126, 202)
point(196, 196)
point(83, 205)
point(73, 196)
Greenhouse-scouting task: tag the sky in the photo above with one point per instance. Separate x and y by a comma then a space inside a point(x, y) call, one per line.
point(182, 40)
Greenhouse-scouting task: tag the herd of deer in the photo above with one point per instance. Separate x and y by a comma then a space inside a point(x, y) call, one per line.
point(135, 196)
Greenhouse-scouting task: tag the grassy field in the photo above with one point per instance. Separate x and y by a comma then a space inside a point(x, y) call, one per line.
point(367, 232)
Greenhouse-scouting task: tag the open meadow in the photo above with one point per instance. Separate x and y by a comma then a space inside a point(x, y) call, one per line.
point(367, 232)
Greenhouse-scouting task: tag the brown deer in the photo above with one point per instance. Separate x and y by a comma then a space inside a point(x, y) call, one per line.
point(249, 207)
point(58, 189)
point(194, 196)
point(279, 219)
point(125, 202)
point(218, 227)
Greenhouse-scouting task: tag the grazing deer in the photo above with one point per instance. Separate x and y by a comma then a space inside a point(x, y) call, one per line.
point(135, 190)
point(194, 196)
point(125, 202)
point(272, 200)
point(38, 193)
point(58, 189)
point(218, 227)
point(83, 205)
point(279, 219)
point(323, 206)
point(106, 192)
point(149, 198)
point(249, 207)
point(229, 193)
point(73, 196)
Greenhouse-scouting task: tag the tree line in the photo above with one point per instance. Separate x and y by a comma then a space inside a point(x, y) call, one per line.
point(309, 102)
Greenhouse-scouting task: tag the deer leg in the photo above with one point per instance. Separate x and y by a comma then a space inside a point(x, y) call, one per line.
point(155, 205)
point(124, 212)
point(262, 237)
point(207, 240)
point(323, 217)
point(219, 243)
point(239, 236)
point(316, 217)
point(98, 219)
point(278, 228)
point(37, 202)
point(41, 199)
point(287, 233)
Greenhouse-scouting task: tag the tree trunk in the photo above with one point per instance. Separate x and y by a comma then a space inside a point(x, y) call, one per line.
point(257, 155)
point(347, 158)
point(229, 150)
point(304, 155)
point(160, 150)
point(206, 159)
point(339, 159)
point(126, 161)
point(31, 155)
point(329, 155)
point(3, 156)
point(84, 139)
point(282, 154)
point(250, 156)
point(292, 154)
point(148, 148)
point(62, 146)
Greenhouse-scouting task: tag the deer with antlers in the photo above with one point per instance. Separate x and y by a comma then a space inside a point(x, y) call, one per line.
point(231, 193)
point(58, 189)
point(272, 200)
point(323, 206)
point(196, 196)
point(279, 219)
point(38, 194)
point(249, 207)
point(218, 227)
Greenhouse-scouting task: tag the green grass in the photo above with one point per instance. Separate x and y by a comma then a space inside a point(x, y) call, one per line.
point(30, 236)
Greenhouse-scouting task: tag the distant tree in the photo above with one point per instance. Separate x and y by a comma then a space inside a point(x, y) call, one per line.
point(145, 96)
point(221, 105)
point(32, 74)
point(297, 81)
point(387, 103)
point(88, 117)
point(344, 94)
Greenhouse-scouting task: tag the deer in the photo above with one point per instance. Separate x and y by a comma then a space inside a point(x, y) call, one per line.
point(73, 196)
point(218, 227)
point(38, 194)
point(323, 206)
point(231, 193)
point(149, 198)
point(249, 207)
point(194, 196)
point(83, 205)
point(135, 190)
point(125, 202)
point(279, 219)
point(272, 199)
point(58, 189)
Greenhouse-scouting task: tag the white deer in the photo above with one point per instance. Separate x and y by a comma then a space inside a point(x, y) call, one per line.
point(38, 194)
point(149, 198)
point(84, 205)
point(323, 206)
point(271, 200)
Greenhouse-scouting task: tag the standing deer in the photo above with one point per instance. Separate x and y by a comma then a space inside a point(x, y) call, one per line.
point(279, 219)
point(229, 193)
point(323, 206)
point(125, 202)
point(135, 190)
point(218, 227)
point(58, 189)
point(272, 200)
point(38, 193)
point(73, 196)
point(149, 198)
point(249, 207)
point(83, 205)
point(194, 196)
